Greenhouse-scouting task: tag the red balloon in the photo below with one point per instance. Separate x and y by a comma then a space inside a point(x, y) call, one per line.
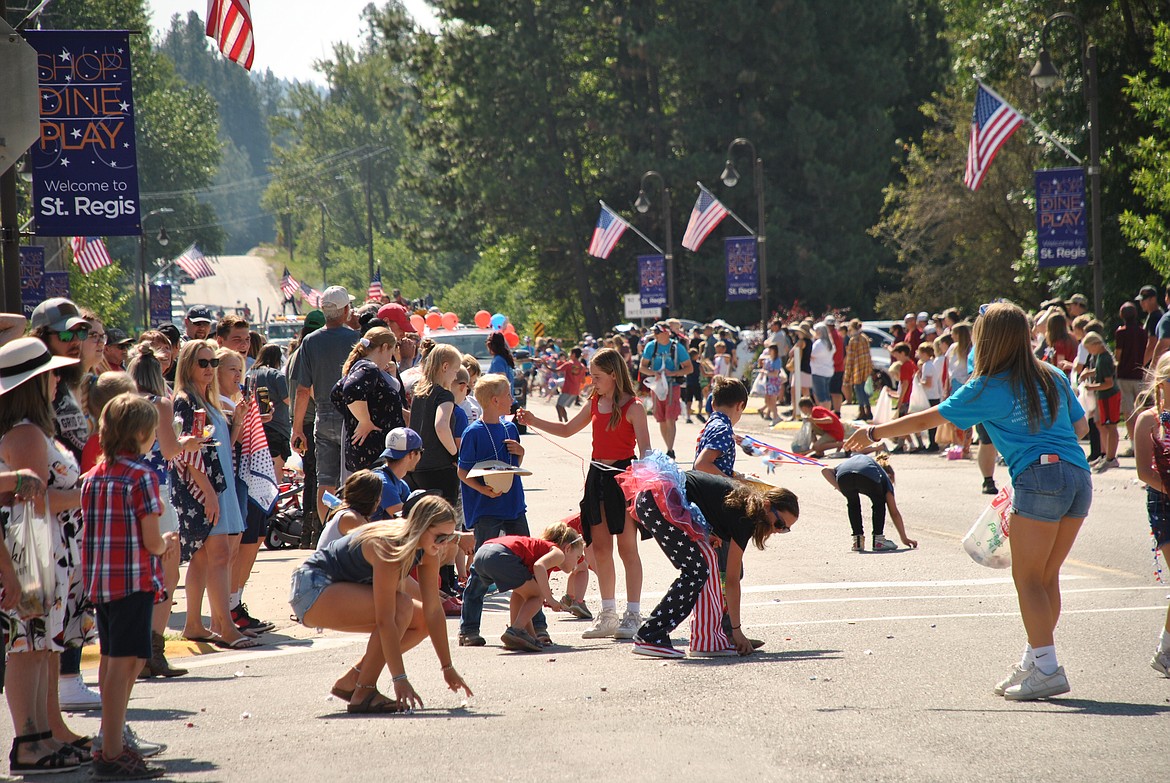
point(434, 321)
point(508, 327)
point(450, 321)
point(512, 339)
point(417, 322)
point(483, 319)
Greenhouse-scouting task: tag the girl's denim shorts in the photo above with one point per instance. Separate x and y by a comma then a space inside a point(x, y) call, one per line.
point(307, 586)
point(1049, 493)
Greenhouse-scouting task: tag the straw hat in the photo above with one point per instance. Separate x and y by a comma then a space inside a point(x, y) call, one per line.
point(24, 358)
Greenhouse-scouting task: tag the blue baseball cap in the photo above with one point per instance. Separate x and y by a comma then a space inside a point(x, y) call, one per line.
point(400, 441)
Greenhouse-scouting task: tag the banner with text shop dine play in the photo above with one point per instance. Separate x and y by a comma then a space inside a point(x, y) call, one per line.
point(1061, 239)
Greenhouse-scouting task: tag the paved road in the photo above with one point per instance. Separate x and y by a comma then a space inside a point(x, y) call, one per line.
point(878, 667)
point(238, 280)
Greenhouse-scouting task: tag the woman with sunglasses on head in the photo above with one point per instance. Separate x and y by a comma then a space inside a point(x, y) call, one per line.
point(361, 584)
point(1035, 421)
point(204, 490)
point(690, 515)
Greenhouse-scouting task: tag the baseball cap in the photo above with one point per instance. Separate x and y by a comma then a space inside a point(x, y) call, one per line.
point(1079, 299)
point(908, 317)
point(415, 496)
point(831, 320)
point(199, 314)
point(659, 328)
point(924, 316)
point(1146, 292)
point(172, 332)
point(396, 313)
point(335, 299)
point(57, 314)
point(400, 441)
point(116, 336)
point(314, 319)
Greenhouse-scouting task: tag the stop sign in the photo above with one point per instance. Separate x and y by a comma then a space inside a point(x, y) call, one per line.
point(20, 122)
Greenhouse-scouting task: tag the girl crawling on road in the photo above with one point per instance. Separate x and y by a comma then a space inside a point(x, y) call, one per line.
point(360, 583)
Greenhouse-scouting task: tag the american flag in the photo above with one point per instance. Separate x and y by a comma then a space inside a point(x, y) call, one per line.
point(90, 253)
point(610, 228)
point(992, 123)
point(194, 263)
point(289, 285)
point(311, 295)
point(705, 216)
point(255, 464)
point(229, 22)
point(375, 290)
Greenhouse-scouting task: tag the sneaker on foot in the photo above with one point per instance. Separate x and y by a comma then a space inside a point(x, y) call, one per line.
point(858, 544)
point(128, 766)
point(74, 694)
point(1161, 662)
point(1106, 464)
point(1015, 678)
point(516, 639)
point(656, 650)
point(577, 608)
point(989, 487)
point(1038, 685)
point(670, 453)
point(604, 626)
point(132, 741)
point(730, 652)
point(471, 640)
point(883, 544)
point(246, 622)
point(631, 622)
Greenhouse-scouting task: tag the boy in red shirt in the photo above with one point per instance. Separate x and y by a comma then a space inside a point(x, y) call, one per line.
point(828, 431)
point(907, 368)
point(574, 372)
point(121, 569)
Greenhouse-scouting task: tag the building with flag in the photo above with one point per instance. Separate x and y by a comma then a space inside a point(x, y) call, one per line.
point(609, 230)
point(992, 123)
point(707, 213)
point(90, 253)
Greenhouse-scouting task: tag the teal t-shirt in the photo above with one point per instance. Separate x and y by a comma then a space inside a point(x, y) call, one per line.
point(1003, 412)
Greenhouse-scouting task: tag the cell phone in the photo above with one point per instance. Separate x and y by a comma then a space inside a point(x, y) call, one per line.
point(262, 399)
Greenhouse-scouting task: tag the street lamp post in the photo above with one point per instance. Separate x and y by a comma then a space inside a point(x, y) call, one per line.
point(143, 281)
point(642, 204)
point(730, 177)
point(1044, 75)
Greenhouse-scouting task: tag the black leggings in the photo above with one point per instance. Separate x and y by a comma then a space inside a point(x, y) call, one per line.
point(853, 486)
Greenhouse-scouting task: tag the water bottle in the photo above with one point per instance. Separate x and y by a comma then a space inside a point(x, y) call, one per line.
point(331, 500)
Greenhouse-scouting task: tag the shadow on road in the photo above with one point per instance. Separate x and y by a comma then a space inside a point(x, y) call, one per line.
point(427, 712)
point(181, 766)
point(1108, 709)
point(762, 656)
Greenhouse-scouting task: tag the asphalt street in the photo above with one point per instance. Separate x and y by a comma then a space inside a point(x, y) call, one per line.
point(878, 667)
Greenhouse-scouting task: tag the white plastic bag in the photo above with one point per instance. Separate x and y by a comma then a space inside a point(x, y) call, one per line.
point(883, 409)
point(1088, 400)
point(29, 541)
point(987, 540)
point(918, 399)
point(802, 443)
point(658, 385)
point(760, 385)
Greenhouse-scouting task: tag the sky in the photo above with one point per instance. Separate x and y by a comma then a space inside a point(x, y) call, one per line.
point(285, 41)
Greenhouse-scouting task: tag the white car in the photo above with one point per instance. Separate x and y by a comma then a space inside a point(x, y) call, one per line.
point(879, 344)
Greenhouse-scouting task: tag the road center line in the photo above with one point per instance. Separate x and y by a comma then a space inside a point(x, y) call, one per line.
point(963, 596)
point(887, 618)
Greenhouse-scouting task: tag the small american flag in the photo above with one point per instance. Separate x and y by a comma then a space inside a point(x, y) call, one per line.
point(992, 123)
point(90, 253)
point(610, 228)
point(194, 263)
point(255, 463)
point(375, 290)
point(705, 216)
point(229, 22)
point(288, 285)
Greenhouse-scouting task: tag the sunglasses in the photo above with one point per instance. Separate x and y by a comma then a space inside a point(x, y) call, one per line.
point(205, 363)
point(69, 335)
point(779, 525)
point(445, 538)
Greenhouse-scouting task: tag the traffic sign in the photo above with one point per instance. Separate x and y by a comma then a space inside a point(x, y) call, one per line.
point(538, 329)
point(20, 122)
point(634, 308)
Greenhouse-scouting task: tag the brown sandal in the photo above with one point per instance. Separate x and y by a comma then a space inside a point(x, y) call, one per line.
point(367, 706)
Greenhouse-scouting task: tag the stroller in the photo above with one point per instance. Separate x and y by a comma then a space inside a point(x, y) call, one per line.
point(286, 522)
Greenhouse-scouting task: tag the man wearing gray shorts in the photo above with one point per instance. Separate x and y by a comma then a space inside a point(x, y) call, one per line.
point(321, 357)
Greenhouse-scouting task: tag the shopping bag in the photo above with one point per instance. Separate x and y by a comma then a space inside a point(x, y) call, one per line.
point(30, 543)
point(658, 385)
point(946, 434)
point(918, 399)
point(987, 540)
point(760, 385)
point(1088, 400)
point(802, 443)
point(883, 409)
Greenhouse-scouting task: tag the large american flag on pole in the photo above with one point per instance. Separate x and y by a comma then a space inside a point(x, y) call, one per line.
point(705, 216)
point(90, 253)
point(375, 290)
point(289, 285)
point(311, 295)
point(229, 22)
point(194, 263)
point(609, 230)
point(992, 123)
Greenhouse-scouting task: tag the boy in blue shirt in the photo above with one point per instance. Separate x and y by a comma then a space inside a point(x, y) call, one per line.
point(715, 450)
point(403, 449)
point(486, 512)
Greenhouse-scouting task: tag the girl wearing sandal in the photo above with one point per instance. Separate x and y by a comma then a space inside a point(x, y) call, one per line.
point(360, 583)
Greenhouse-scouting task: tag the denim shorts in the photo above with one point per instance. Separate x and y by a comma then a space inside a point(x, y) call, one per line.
point(1049, 493)
point(1158, 506)
point(307, 586)
point(496, 563)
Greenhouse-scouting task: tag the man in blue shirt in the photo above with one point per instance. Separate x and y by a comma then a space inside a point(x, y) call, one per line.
point(666, 355)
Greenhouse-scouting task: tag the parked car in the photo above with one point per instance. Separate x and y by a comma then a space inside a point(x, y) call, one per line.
point(879, 343)
point(469, 341)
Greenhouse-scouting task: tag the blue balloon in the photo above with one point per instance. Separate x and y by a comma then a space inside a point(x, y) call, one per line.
point(498, 321)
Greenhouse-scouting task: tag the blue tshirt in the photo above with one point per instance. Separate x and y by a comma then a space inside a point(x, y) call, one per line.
point(395, 491)
point(865, 465)
point(459, 423)
point(671, 356)
point(500, 365)
point(717, 435)
point(483, 441)
point(988, 400)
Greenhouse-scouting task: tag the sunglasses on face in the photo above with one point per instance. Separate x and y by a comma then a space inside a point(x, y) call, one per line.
point(205, 363)
point(69, 335)
point(779, 525)
point(445, 538)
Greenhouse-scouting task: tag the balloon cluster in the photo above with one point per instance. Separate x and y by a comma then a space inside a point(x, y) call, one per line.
point(434, 321)
point(498, 323)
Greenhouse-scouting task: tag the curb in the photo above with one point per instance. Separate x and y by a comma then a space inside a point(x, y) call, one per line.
point(175, 648)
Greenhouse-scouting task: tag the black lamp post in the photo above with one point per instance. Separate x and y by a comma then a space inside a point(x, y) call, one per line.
point(642, 204)
point(730, 177)
point(1045, 75)
point(143, 281)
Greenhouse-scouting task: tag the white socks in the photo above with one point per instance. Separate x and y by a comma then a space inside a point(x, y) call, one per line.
point(1045, 659)
point(1027, 662)
point(634, 606)
point(234, 599)
point(1165, 645)
point(609, 605)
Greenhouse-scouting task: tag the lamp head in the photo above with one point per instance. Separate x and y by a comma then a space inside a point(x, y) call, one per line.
point(642, 204)
point(25, 170)
point(1044, 73)
point(730, 175)
point(162, 237)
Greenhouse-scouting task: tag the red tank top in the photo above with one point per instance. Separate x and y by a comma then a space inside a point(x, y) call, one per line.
point(612, 444)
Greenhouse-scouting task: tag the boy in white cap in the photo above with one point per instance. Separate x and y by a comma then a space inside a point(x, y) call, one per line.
point(403, 449)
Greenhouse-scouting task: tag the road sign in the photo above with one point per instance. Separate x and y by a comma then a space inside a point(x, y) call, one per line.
point(20, 122)
point(538, 329)
point(634, 308)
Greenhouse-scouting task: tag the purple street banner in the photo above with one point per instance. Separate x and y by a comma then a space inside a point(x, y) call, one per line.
point(743, 271)
point(56, 284)
point(32, 278)
point(652, 280)
point(160, 304)
point(1061, 238)
point(85, 166)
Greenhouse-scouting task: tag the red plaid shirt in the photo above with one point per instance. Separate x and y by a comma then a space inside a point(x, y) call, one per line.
point(115, 563)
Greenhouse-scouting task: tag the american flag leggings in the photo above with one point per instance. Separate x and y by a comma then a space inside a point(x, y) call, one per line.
point(695, 592)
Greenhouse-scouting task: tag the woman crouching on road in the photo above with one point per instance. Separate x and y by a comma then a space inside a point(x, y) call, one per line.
point(359, 584)
point(1035, 421)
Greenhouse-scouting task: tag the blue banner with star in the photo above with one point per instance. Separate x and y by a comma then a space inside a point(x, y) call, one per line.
point(85, 169)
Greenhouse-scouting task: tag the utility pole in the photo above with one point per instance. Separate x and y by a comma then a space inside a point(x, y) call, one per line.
point(369, 222)
point(322, 248)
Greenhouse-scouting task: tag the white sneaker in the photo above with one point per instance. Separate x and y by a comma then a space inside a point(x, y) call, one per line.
point(883, 544)
point(727, 653)
point(74, 694)
point(631, 622)
point(656, 650)
point(1161, 662)
point(1015, 678)
point(1106, 464)
point(1038, 685)
point(604, 626)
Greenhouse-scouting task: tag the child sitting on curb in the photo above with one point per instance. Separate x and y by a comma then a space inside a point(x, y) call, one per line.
point(522, 564)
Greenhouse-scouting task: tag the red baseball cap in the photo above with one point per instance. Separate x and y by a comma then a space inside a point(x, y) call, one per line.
point(396, 313)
